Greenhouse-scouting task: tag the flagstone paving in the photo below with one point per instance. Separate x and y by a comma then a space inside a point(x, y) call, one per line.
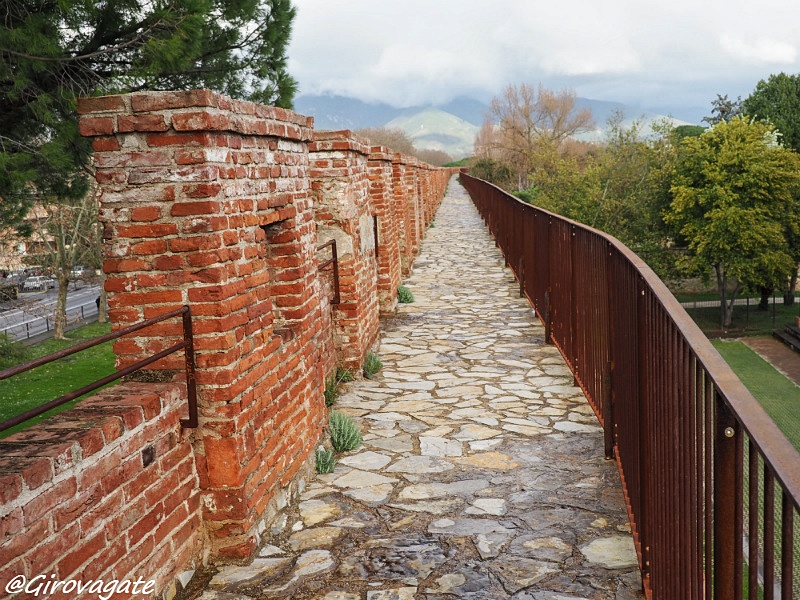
point(481, 475)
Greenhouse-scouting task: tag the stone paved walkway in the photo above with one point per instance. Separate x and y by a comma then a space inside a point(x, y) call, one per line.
point(482, 473)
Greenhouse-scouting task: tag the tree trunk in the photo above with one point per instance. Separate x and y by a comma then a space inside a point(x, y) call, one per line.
point(723, 304)
point(60, 325)
point(102, 312)
point(788, 298)
point(763, 304)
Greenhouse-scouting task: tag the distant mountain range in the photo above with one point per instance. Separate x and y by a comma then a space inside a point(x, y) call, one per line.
point(449, 127)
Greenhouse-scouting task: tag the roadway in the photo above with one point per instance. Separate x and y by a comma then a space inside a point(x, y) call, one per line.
point(32, 314)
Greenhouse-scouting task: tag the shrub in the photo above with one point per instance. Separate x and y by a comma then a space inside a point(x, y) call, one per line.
point(344, 431)
point(404, 295)
point(372, 364)
point(326, 460)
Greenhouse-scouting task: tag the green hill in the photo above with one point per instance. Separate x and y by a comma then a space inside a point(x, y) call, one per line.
point(435, 129)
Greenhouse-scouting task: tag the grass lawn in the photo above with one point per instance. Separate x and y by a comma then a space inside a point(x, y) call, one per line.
point(45, 383)
point(746, 320)
point(779, 396)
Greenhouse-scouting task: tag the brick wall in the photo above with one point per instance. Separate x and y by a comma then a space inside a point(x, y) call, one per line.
point(208, 202)
point(344, 212)
point(381, 193)
point(107, 491)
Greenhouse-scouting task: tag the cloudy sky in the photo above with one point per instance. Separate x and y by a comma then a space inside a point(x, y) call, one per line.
point(676, 53)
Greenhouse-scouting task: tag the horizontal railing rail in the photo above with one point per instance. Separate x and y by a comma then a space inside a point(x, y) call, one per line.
point(334, 261)
point(187, 345)
point(675, 416)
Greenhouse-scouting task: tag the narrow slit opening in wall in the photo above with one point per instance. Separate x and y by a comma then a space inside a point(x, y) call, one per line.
point(282, 326)
point(375, 232)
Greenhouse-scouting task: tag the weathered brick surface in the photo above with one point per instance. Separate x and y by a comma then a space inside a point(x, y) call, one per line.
point(220, 205)
point(381, 193)
point(78, 509)
point(207, 202)
point(344, 212)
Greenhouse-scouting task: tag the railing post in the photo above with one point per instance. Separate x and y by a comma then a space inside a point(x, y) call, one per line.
point(191, 380)
point(608, 413)
point(727, 535)
point(548, 315)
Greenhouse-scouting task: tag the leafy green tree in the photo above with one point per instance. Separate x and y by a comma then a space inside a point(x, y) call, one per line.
point(494, 171)
point(777, 100)
point(735, 196)
point(53, 52)
point(723, 110)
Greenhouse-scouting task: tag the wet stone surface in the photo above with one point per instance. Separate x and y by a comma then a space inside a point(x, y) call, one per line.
point(482, 473)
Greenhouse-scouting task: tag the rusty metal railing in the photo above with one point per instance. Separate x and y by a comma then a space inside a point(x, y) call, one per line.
point(706, 516)
point(187, 345)
point(333, 260)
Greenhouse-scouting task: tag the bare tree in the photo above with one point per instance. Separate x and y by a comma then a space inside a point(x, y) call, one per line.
point(391, 137)
point(533, 124)
point(486, 143)
point(63, 237)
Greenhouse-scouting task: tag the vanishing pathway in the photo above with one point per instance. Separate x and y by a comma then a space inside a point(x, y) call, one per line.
point(482, 473)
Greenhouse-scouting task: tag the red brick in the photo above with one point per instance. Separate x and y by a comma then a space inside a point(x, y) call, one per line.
point(152, 101)
point(128, 566)
point(79, 555)
point(145, 213)
point(150, 247)
point(191, 244)
point(113, 552)
point(147, 525)
point(11, 524)
point(48, 499)
point(223, 459)
point(94, 126)
point(200, 121)
point(128, 123)
point(180, 209)
point(198, 139)
point(105, 144)
point(241, 550)
point(100, 104)
point(152, 230)
point(33, 471)
point(72, 510)
point(49, 552)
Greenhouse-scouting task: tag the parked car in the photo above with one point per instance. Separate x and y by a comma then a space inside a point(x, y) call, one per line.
point(38, 282)
point(80, 271)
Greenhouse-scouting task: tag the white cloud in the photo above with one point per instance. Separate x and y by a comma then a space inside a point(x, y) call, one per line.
point(761, 51)
point(637, 51)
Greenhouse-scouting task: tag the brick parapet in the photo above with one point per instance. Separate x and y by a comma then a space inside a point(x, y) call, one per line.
point(206, 201)
point(387, 242)
point(217, 204)
point(106, 491)
point(342, 205)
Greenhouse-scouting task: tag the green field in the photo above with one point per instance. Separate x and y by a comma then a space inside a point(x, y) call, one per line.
point(779, 396)
point(45, 383)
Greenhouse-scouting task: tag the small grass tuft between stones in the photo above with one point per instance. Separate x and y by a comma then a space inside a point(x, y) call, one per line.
point(331, 392)
point(404, 295)
point(372, 364)
point(326, 460)
point(345, 435)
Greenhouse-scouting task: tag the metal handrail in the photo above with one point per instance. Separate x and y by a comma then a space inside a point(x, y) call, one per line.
point(675, 416)
point(187, 345)
point(334, 260)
